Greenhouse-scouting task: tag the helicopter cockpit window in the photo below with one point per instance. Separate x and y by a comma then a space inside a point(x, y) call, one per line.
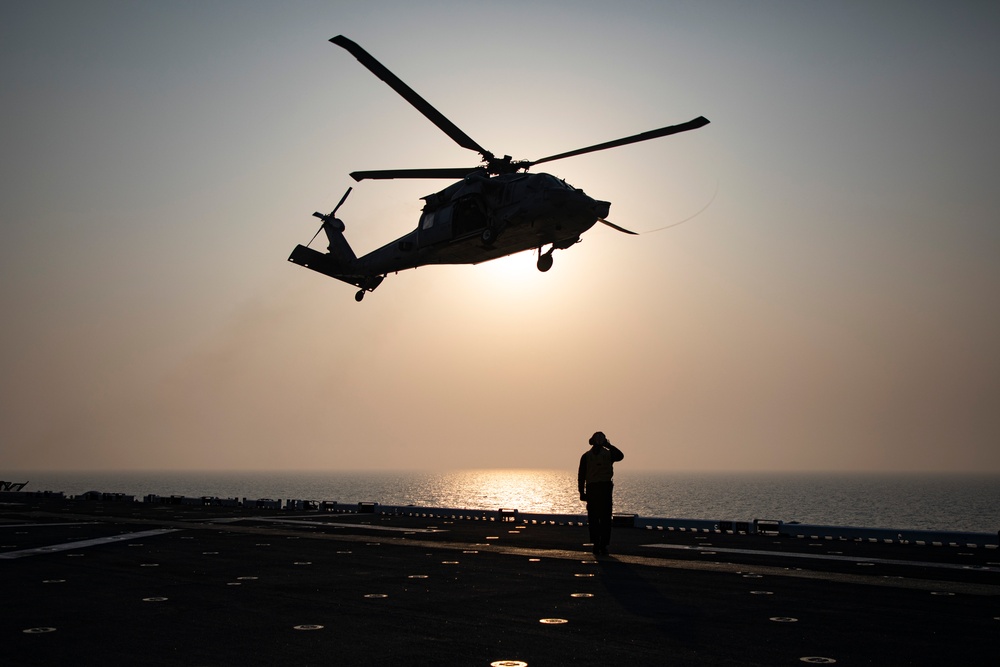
point(553, 182)
point(427, 221)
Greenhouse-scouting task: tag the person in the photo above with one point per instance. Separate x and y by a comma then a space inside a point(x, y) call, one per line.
point(596, 487)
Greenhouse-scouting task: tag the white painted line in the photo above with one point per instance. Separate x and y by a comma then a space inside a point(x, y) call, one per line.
point(72, 546)
point(46, 525)
point(363, 526)
point(850, 559)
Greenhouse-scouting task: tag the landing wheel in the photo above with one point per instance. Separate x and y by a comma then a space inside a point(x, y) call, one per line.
point(360, 295)
point(545, 262)
point(489, 236)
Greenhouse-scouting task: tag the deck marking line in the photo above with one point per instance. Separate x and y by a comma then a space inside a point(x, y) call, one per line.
point(851, 559)
point(46, 525)
point(332, 524)
point(72, 546)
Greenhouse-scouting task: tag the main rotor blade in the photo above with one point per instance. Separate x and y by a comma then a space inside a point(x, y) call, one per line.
point(413, 173)
point(700, 121)
point(422, 105)
point(621, 229)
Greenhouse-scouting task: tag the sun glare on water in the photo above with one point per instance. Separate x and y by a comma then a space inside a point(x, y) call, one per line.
point(526, 490)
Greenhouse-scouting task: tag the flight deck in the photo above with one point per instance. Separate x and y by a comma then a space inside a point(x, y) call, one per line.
point(113, 581)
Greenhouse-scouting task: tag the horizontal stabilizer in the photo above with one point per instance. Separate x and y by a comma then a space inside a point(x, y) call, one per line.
point(328, 266)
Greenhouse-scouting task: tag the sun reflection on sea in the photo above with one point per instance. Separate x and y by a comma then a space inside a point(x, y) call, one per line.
point(526, 490)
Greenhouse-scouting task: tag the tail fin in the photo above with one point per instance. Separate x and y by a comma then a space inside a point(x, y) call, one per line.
point(341, 259)
point(339, 248)
point(340, 262)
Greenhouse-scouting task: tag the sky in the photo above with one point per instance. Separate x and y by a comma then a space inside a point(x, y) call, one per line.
point(832, 308)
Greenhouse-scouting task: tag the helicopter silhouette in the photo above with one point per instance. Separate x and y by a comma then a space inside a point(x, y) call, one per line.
point(495, 209)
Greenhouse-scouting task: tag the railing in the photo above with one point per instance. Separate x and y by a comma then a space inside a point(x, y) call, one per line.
point(509, 515)
point(503, 515)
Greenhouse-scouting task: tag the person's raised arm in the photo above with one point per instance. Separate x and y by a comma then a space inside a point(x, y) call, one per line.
point(616, 453)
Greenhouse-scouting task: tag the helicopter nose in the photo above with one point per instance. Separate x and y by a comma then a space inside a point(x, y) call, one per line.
point(577, 200)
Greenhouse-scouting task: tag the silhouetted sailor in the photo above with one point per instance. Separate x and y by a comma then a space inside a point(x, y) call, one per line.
point(596, 488)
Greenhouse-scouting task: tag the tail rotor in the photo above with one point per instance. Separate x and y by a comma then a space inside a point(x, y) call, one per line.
point(335, 223)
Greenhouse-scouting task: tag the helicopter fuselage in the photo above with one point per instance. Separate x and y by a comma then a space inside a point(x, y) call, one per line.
point(474, 220)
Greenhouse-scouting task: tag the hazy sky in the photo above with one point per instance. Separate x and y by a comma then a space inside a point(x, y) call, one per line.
point(834, 308)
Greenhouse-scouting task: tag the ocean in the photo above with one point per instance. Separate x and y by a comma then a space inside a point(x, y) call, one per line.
point(901, 501)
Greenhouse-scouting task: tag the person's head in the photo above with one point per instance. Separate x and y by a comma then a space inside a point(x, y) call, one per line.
point(598, 439)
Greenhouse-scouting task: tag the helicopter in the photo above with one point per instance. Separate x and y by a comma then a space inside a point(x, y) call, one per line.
point(493, 210)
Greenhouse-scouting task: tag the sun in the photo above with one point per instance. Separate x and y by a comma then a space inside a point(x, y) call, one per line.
point(511, 291)
point(512, 275)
